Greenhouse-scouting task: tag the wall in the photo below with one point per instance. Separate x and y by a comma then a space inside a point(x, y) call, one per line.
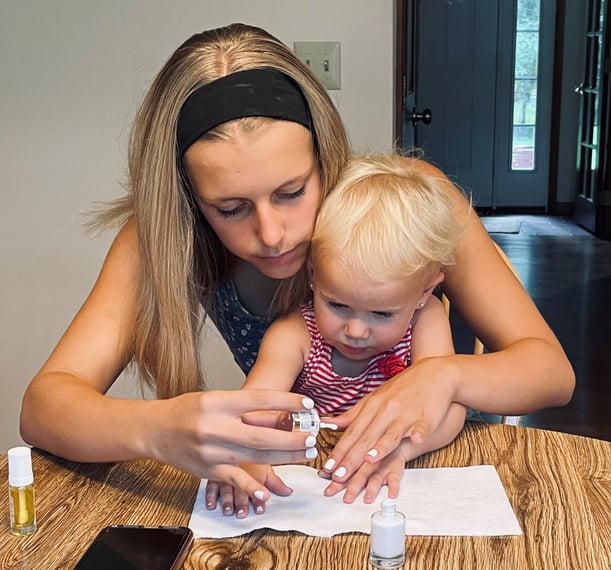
point(72, 75)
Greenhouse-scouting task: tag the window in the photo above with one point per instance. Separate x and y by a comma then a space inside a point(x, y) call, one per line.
point(525, 75)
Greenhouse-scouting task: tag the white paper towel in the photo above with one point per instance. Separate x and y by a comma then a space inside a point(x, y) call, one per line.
point(458, 501)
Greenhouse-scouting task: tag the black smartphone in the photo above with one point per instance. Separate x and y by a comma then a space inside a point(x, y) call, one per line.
point(123, 547)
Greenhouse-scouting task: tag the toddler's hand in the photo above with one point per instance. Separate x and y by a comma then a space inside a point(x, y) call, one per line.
point(236, 501)
point(371, 477)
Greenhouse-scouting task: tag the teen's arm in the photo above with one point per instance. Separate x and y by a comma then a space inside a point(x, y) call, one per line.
point(65, 409)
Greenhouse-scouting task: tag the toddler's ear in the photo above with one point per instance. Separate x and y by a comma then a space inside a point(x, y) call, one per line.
point(430, 287)
point(434, 282)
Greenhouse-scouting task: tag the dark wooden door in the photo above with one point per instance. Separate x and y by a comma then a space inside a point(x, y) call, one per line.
point(461, 65)
point(592, 203)
point(455, 77)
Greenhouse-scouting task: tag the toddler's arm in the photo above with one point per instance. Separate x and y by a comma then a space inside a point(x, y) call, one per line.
point(281, 356)
point(279, 361)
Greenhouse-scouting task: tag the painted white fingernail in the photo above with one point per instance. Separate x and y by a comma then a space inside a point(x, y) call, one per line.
point(307, 403)
point(310, 441)
point(372, 453)
point(340, 471)
point(324, 425)
point(210, 506)
point(240, 512)
point(228, 510)
point(259, 495)
point(330, 464)
point(311, 453)
point(259, 509)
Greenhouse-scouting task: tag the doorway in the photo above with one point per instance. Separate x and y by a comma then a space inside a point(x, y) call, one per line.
point(593, 201)
point(476, 95)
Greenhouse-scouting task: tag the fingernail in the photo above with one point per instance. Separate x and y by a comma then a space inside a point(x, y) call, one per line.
point(340, 471)
point(241, 512)
point(311, 453)
point(259, 495)
point(372, 453)
point(330, 464)
point(259, 509)
point(228, 510)
point(210, 506)
point(307, 403)
point(324, 425)
point(310, 441)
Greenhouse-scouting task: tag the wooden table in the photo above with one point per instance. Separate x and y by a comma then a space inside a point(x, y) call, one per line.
point(559, 486)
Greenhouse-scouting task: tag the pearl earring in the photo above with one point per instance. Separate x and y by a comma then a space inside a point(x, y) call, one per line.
point(311, 286)
point(420, 305)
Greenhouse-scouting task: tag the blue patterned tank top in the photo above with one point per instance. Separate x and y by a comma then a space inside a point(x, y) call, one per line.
point(241, 330)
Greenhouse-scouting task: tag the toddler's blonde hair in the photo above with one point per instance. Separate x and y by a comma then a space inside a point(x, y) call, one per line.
point(388, 217)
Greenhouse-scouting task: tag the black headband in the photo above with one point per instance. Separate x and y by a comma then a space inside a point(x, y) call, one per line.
point(251, 93)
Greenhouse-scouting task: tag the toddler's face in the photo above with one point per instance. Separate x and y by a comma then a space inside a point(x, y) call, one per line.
point(360, 318)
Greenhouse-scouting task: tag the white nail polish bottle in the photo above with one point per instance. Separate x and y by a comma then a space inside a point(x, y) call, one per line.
point(387, 537)
point(301, 421)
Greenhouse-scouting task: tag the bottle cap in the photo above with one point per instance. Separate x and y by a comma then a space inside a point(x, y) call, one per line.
point(389, 506)
point(20, 467)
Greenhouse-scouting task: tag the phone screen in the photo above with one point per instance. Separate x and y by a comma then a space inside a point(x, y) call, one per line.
point(137, 548)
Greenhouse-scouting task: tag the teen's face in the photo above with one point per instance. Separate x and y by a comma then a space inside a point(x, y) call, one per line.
point(361, 319)
point(260, 193)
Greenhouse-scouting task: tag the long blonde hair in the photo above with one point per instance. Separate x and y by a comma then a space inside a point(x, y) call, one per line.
point(181, 259)
point(388, 218)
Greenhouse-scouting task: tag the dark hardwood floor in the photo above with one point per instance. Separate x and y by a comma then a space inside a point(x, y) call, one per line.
point(567, 272)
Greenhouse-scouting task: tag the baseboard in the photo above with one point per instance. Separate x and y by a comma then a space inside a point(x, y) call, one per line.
point(562, 209)
point(556, 209)
point(508, 211)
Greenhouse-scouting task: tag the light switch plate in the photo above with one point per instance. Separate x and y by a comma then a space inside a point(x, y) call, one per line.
point(324, 59)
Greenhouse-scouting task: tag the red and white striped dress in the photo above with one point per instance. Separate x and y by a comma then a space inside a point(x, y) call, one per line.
point(332, 392)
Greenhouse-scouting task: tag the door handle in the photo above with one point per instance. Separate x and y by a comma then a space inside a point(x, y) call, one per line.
point(426, 116)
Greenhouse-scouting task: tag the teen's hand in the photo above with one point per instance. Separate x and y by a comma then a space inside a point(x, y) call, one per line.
point(412, 404)
point(203, 433)
point(371, 477)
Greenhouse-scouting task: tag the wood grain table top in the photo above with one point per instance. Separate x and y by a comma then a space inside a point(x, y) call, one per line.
point(558, 484)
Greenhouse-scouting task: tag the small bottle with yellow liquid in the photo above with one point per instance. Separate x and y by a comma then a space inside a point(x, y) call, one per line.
point(21, 491)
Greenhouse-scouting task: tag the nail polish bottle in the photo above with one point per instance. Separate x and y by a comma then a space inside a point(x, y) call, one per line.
point(308, 420)
point(387, 537)
point(21, 491)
